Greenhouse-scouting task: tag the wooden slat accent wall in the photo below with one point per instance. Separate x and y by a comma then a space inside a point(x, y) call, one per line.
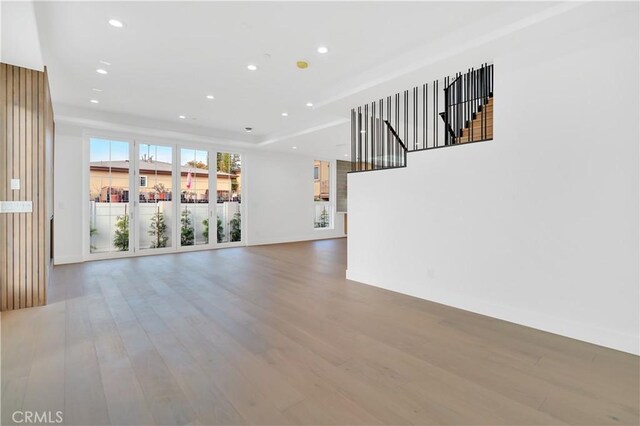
point(26, 153)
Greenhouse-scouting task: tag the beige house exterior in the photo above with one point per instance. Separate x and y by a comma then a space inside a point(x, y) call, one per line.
point(320, 180)
point(109, 182)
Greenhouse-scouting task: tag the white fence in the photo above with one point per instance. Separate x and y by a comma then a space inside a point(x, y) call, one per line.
point(104, 218)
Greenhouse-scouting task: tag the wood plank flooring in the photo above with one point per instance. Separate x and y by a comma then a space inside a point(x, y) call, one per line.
point(276, 335)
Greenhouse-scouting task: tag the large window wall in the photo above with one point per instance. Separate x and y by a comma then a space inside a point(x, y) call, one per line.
point(158, 197)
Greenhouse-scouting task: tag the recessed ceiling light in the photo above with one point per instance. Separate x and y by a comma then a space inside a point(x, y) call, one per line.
point(182, 117)
point(285, 114)
point(101, 71)
point(294, 147)
point(251, 67)
point(116, 23)
point(97, 90)
point(209, 96)
point(94, 101)
point(309, 104)
point(248, 129)
point(323, 49)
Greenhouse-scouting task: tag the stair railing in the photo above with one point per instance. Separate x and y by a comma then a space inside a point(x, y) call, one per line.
point(465, 98)
point(433, 115)
point(375, 143)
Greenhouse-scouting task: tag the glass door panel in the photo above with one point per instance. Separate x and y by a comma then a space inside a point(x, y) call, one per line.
point(109, 215)
point(155, 195)
point(194, 197)
point(229, 197)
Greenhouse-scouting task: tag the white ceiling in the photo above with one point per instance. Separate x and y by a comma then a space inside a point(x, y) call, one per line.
point(170, 55)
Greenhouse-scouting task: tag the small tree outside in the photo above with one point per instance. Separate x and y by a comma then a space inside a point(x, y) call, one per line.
point(92, 232)
point(161, 190)
point(323, 220)
point(205, 233)
point(121, 235)
point(197, 164)
point(186, 230)
point(220, 230)
point(158, 230)
point(235, 233)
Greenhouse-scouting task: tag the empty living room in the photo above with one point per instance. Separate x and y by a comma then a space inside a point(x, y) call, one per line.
point(319, 213)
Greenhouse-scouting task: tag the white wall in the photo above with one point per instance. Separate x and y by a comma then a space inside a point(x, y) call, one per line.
point(280, 199)
point(19, 40)
point(69, 196)
point(540, 225)
point(277, 192)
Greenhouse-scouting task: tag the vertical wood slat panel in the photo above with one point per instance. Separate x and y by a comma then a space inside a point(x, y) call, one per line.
point(8, 282)
point(15, 170)
point(26, 149)
point(29, 237)
point(22, 164)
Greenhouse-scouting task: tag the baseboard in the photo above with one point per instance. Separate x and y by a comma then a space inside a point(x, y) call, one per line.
point(64, 260)
point(293, 239)
point(612, 339)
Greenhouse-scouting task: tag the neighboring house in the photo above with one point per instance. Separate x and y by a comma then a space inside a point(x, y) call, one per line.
point(321, 180)
point(109, 182)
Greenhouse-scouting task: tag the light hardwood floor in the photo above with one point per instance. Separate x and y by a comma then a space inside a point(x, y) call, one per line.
point(277, 335)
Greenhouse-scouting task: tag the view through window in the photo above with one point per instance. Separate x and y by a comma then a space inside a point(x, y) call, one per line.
point(321, 195)
point(109, 212)
point(172, 189)
point(229, 195)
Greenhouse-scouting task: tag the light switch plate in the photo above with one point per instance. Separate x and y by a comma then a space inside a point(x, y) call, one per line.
point(16, 206)
point(15, 184)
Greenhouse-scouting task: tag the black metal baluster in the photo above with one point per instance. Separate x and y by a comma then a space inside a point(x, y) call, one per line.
point(387, 132)
point(359, 156)
point(353, 136)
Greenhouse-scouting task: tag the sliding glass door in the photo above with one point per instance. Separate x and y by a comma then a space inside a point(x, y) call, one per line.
point(109, 190)
point(152, 198)
point(155, 216)
point(194, 197)
point(229, 197)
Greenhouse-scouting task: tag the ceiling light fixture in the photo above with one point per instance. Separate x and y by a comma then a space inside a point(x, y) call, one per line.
point(116, 23)
point(294, 147)
point(248, 129)
point(97, 90)
point(94, 101)
point(309, 104)
point(209, 96)
point(101, 71)
point(251, 67)
point(303, 65)
point(182, 117)
point(323, 49)
point(285, 114)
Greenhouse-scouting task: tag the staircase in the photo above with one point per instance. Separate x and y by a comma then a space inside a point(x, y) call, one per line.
point(481, 126)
